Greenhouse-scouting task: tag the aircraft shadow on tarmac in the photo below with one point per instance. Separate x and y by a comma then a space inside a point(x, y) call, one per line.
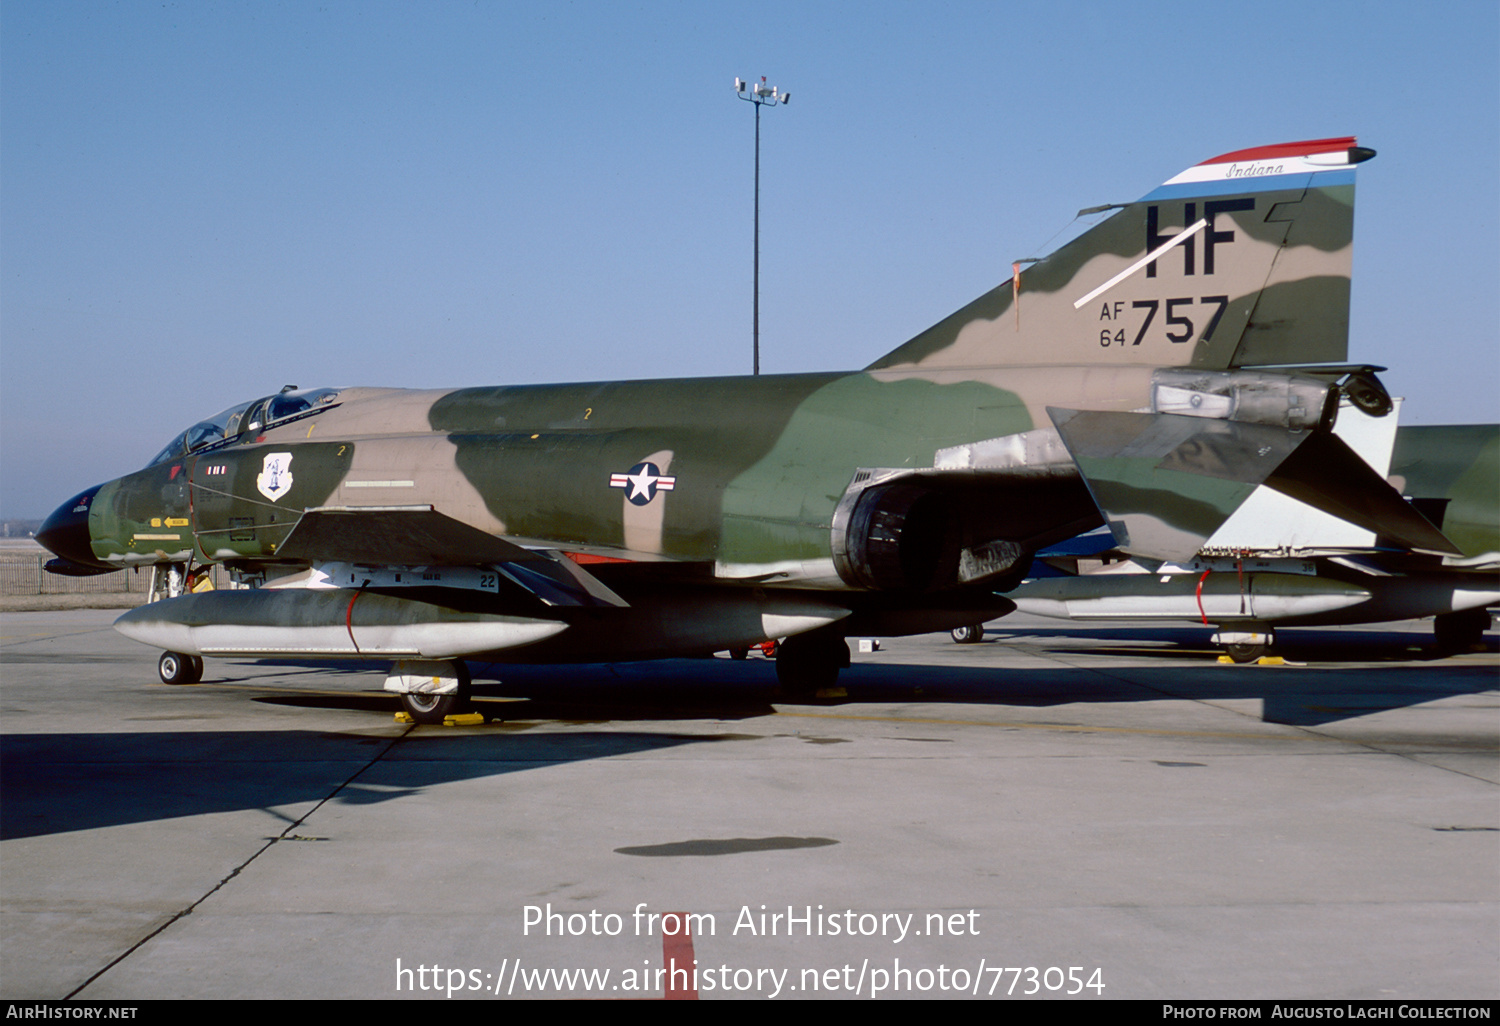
point(1345, 675)
point(55, 783)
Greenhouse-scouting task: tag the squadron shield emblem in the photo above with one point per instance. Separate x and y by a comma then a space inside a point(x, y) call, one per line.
point(275, 477)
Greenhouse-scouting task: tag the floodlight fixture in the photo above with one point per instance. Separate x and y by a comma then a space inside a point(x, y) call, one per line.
point(762, 95)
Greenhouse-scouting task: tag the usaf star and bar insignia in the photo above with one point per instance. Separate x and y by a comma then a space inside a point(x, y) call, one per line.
point(642, 482)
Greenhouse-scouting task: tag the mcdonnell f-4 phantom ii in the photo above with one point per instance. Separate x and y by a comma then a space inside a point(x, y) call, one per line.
point(1151, 374)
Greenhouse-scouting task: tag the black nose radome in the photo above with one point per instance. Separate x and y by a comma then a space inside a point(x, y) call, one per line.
point(66, 535)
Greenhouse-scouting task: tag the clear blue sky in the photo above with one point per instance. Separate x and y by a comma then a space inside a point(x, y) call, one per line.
point(201, 202)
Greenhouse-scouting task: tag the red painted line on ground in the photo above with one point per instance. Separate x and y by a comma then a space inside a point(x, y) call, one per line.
point(677, 959)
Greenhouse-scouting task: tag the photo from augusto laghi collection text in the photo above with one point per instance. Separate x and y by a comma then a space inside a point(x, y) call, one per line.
point(681, 973)
point(1380, 1009)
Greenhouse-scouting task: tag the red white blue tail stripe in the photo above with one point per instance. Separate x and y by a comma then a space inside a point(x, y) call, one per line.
point(1267, 168)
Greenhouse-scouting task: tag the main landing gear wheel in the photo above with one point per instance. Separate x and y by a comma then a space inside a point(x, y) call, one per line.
point(969, 635)
point(423, 707)
point(1247, 651)
point(807, 663)
point(177, 668)
point(1460, 632)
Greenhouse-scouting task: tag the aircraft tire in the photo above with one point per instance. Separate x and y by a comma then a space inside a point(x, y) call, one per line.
point(1246, 653)
point(433, 709)
point(807, 664)
point(1459, 632)
point(969, 635)
point(177, 668)
point(739, 653)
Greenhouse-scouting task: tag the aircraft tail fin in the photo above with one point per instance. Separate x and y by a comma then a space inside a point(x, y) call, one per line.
point(1242, 260)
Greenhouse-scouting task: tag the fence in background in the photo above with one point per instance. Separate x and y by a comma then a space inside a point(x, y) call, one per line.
point(21, 573)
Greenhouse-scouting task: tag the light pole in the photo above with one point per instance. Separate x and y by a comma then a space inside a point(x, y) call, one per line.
point(761, 95)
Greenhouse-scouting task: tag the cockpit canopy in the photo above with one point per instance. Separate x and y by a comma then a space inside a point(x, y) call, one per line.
point(291, 403)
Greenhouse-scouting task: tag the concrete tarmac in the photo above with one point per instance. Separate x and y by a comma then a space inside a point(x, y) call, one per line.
point(1104, 810)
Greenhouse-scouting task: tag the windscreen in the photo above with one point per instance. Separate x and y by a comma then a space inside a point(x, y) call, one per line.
point(289, 404)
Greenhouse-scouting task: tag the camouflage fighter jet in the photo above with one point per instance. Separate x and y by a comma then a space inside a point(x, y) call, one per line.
point(1278, 561)
point(1164, 363)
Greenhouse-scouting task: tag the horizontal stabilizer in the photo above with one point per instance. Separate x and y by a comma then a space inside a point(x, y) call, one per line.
point(395, 536)
point(1166, 482)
